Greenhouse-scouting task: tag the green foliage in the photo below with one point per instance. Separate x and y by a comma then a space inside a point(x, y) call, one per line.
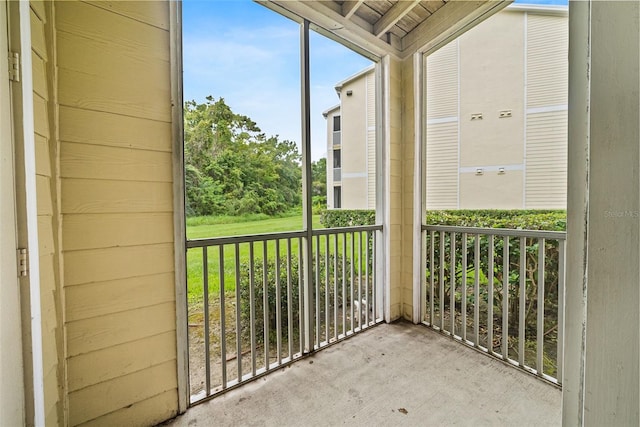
point(550, 220)
point(279, 278)
point(512, 219)
point(232, 168)
point(319, 178)
point(319, 185)
point(331, 218)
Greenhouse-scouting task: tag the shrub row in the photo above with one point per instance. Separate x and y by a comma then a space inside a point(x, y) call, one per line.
point(332, 218)
point(552, 220)
point(273, 282)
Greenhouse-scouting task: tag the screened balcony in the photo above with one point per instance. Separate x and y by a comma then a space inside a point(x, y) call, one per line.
point(392, 374)
point(95, 321)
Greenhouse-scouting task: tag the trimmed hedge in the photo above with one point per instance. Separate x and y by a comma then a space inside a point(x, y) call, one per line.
point(551, 220)
point(332, 218)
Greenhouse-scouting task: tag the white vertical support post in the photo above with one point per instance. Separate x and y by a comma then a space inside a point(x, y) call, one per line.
point(419, 205)
point(24, 116)
point(307, 213)
point(383, 213)
point(11, 338)
point(601, 369)
point(179, 226)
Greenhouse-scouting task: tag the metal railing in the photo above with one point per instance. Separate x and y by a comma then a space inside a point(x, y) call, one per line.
point(498, 290)
point(337, 136)
point(247, 301)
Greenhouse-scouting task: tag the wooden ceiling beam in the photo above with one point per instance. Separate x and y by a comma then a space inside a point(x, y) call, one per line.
point(393, 15)
point(355, 31)
point(349, 7)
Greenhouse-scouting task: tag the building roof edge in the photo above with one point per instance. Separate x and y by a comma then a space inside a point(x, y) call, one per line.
point(326, 112)
point(547, 9)
point(354, 76)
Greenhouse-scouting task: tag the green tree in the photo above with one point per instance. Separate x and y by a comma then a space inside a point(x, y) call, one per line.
point(232, 168)
point(319, 183)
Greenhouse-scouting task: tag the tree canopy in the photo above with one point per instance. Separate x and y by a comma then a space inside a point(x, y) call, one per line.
point(232, 167)
point(319, 183)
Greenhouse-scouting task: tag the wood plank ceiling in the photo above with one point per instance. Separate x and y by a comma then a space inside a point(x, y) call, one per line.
point(396, 27)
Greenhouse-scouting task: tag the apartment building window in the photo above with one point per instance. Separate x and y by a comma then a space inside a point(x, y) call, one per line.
point(337, 197)
point(337, 164)
point(337, 159)
point(336, 130)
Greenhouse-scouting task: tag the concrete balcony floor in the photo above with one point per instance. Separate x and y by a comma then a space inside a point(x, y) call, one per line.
point(397, 374)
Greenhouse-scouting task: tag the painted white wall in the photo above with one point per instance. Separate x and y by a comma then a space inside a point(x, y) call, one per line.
point(11, 365)
point(601, 375)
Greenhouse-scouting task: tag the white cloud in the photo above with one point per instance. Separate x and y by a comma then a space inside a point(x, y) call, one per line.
point(254, 66)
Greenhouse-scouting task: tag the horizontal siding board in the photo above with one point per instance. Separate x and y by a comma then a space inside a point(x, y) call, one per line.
point(95, 401)
point(442, 82)
point(51, 397)
point(95, 231)
point(43, 159)
point(115, 132)
point(40, 116)
point(39, 76)
point(114, 296)
point(150, 411)
point(114, 163)
point(49, 350)
point(547, 60)
point(106, 364)
point(99, 24)
point(442, 166)
point(99, 265)
point(47, 281)
point(45, 235)
point(106, 94)
point(546, 162)
point(38, 43)
point(97, 128)
point(96, 333)
point(43, 194)
point(51, 416)
point(38, 8)
point(98, 196)
point(371, 99)
point(106, 60)
point(154, 13)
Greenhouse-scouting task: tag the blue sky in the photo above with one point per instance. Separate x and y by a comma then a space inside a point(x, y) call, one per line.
point(249, 55)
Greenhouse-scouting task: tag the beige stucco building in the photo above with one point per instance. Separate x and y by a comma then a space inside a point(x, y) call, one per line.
point(93, 300)
point(496, 119)
point(351, 143)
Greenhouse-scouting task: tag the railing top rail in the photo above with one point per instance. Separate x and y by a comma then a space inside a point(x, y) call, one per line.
point(337, 230)
point(247, 238)
point(539, 234)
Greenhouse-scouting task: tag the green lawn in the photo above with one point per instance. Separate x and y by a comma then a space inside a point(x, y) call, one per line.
point(194, 256)
point(271, 225)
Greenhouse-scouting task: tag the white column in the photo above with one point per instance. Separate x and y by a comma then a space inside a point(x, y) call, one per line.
point(601, 375)
point(12, 406)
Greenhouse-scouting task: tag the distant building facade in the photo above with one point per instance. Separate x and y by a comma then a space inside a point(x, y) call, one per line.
point(496, 119)
point(351, 138)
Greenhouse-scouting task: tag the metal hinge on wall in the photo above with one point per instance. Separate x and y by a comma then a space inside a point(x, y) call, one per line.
point(14, 66)
point(23, 262)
